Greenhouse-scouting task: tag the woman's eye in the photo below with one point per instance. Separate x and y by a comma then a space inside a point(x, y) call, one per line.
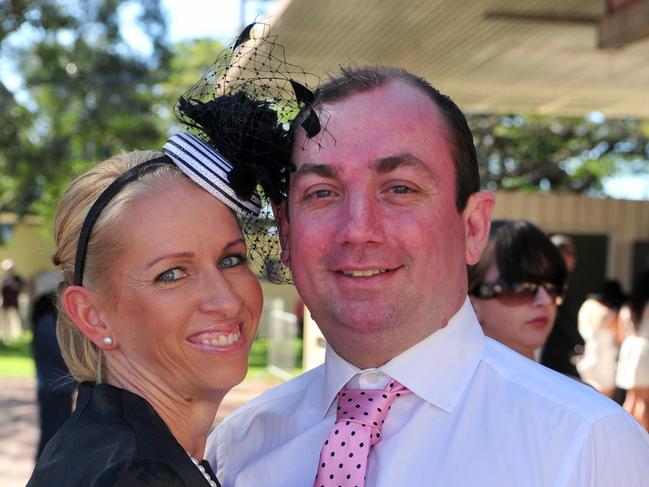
point(171, 275)
point(232, 261)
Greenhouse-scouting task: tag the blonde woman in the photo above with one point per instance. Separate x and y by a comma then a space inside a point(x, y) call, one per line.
point(159, 306)
point(159, 310)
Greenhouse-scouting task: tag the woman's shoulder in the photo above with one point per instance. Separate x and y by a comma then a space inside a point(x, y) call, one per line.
point(98, 423)
point(101, 437)
point(81, 452)
point(115, 438)
point(141, 472)
point(124, 473)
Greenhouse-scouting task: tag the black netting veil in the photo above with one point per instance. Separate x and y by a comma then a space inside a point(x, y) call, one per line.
point(243, 106)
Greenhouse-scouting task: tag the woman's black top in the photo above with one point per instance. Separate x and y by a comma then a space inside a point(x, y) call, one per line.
point(115, 439)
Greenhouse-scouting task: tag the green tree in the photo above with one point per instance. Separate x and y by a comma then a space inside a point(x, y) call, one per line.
point(88, 93)
point(541, 153)
point(189, 61)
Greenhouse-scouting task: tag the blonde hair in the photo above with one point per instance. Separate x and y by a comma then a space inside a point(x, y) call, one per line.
point(82, 356)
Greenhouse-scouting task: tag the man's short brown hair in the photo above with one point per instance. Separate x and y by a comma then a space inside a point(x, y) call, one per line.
point(351, 81)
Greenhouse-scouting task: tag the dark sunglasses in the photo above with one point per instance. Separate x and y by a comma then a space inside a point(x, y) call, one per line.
point(518, 292)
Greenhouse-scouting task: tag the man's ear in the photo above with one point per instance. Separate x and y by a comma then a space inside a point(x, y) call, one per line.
point(477, 221)
point(81, 306)
point(281, 217)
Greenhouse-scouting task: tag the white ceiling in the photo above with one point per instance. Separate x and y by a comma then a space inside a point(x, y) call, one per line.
point(489, 55)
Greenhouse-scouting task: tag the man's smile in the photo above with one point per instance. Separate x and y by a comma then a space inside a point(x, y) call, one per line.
point(364, 273)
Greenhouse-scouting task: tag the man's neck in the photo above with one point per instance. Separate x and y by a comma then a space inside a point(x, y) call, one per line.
point(372, 347)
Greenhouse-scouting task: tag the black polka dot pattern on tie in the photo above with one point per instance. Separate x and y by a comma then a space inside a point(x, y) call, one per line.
point(359, 416)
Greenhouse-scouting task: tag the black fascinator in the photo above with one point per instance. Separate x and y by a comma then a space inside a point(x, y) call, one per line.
point(243, 106)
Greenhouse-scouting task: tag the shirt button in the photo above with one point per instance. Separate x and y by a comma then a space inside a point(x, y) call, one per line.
point(372, 378)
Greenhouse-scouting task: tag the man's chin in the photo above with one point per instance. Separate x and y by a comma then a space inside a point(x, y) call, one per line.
point(364, 320)
point(364, 340)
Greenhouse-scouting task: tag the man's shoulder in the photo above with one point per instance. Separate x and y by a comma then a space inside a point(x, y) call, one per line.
point(543, 388)
point(283, 397)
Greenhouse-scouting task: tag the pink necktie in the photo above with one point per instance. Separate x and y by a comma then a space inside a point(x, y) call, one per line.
point(359, 418)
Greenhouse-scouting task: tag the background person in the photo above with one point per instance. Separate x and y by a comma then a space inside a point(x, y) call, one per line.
point(598, 321)
point(517, 285)
point(384, 213)
point(633, 365)
point(12, 285)
point(564, 344)
point(54, 385)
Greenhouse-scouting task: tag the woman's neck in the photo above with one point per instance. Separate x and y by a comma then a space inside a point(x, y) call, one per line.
point(188, 417)
point(530, 354)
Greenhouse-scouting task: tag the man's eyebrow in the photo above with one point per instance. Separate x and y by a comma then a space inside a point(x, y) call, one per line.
point(383, 166)
point(389, 164)
point(323, 170)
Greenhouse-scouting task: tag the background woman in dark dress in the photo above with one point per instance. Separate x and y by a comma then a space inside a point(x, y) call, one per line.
point(55, 391)
point(157, 327)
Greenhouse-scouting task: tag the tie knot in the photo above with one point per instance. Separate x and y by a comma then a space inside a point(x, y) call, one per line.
point(368, 407)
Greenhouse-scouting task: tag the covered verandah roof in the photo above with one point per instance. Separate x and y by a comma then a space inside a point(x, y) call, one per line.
point(538, 56)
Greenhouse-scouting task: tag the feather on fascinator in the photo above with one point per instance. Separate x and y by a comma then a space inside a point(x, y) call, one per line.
point(243, 106)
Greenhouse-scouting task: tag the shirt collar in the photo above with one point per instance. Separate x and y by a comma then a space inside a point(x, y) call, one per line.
point(437, 369)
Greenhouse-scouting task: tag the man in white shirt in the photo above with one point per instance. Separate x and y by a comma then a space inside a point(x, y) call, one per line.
point(383, 215)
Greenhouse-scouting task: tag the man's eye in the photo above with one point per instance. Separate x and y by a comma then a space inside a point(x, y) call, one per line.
point(171, 275)
point(400, 189)
point(232, 261)
point(322, 193)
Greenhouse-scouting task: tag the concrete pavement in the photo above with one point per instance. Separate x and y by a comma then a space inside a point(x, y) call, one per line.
point(19, 423)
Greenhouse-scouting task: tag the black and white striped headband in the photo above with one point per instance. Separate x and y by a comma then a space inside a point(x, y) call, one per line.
point(209, 169)
point(197, 160)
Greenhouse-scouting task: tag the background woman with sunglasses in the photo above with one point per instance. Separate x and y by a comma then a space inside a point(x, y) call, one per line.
point(517, 285)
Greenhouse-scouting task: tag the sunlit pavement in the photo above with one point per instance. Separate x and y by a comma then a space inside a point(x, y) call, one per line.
point(19, 430)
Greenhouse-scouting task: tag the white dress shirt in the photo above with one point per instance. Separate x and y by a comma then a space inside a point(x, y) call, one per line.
point(480, 415)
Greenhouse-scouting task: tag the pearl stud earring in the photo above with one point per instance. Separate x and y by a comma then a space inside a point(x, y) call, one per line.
point(107, 341)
